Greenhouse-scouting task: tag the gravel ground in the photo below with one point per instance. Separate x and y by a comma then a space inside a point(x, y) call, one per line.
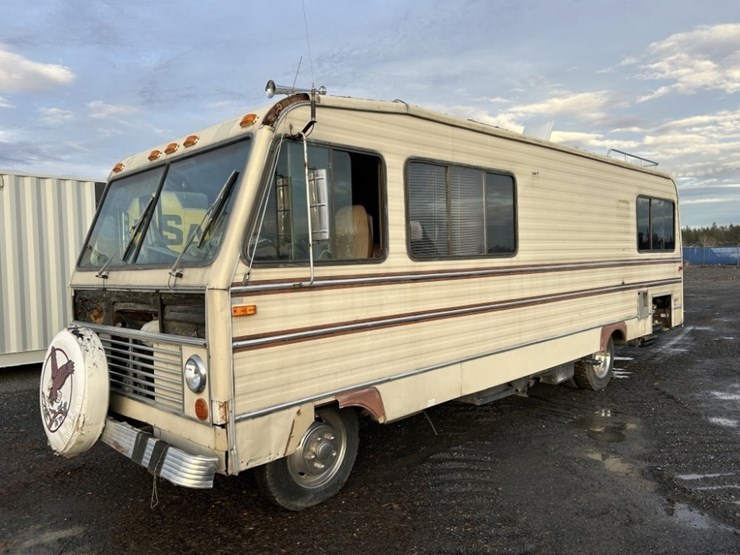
point(649, 465)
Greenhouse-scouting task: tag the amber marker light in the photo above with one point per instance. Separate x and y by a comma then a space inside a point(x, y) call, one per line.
point(172, 147)
point(190, 140)
point(154, 154)
point(118, 167)
point(244, 310)
point(248, 120)
point(201, 409)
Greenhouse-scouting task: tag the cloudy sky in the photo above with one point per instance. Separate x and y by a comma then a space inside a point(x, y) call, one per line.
point(85, 83)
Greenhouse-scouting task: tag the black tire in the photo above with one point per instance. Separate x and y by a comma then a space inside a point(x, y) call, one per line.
point(589, 375)
point(319, 467)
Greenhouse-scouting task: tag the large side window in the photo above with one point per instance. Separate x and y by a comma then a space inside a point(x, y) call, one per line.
point(350, 226)
point(456, 211)
point(656, 224)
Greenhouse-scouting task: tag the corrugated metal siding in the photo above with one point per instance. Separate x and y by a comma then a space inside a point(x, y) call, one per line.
point(44, 221)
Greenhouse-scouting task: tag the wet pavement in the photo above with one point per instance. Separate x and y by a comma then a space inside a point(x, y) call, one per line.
point(649, 465)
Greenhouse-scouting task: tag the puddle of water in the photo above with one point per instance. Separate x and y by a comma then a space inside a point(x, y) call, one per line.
point(725, 422)
point(603, 427)
point(686, 515)
point(613, 464)
point(723, 396)
point(702, 476)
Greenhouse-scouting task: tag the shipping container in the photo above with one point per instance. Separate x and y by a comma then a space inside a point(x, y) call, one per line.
point(43, 221)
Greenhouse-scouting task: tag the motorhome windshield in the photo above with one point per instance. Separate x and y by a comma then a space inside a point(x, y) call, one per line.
point(147, 218)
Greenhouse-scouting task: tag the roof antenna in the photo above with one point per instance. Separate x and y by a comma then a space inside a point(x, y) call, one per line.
point(296, 72)
point(308, 41)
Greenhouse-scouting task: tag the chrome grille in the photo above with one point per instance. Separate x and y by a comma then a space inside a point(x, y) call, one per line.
point(144, 370)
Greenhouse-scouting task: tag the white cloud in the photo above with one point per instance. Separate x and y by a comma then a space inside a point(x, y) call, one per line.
point(707, 200)
point(594, 141)
point(586, 105)
point(706, 58)
point(55, 116)
point(99, 109)
point(19, 74)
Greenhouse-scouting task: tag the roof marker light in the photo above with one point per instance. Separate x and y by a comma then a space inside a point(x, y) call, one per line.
point(172, 147)
point(190, 140)
point(248, 120)
point(118, 167)
point(154, 154)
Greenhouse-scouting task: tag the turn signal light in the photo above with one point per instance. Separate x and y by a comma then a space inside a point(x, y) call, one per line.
point(201, 409)
point(154, 154)
point(244, 310)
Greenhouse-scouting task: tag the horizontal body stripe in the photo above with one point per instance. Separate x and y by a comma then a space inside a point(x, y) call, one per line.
point(258, 341)
point(408, 374)
point(376, 279)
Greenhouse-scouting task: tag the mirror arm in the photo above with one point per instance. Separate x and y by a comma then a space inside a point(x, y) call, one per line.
point(308, 204)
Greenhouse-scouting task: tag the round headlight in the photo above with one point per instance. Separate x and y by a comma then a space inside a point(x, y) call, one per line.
point(195, 374)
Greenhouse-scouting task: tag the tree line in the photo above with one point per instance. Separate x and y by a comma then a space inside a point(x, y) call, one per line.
point(712, 236)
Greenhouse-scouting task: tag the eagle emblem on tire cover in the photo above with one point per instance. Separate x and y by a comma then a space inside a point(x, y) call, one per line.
point(55, 375)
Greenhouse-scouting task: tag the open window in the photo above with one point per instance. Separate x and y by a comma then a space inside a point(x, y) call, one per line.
point(347, 225)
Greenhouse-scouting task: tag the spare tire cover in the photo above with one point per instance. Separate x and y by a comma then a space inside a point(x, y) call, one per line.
point(74, 391)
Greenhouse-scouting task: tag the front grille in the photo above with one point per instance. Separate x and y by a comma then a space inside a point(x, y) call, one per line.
point(144, 370)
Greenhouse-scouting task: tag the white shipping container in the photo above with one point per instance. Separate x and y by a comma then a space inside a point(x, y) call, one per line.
point(43, 222)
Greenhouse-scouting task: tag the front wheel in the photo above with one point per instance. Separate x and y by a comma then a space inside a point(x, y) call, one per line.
point(319, 467)
point(594, 374)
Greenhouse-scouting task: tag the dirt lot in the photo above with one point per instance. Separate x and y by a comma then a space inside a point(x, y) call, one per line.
point(650, 465)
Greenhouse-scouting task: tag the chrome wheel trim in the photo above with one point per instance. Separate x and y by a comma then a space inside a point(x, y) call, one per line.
point(604, 358)
point(321, 452)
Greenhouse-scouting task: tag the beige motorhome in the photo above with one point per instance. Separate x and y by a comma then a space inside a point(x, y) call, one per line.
point(249, 291)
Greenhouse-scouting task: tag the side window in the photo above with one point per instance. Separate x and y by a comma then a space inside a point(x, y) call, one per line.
point(456, 211)
point(656, 224)
point(350, 226)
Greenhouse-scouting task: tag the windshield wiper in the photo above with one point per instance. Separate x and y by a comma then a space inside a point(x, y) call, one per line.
point(205, 225)
point(102, 273)
point(137, 229)
point(217, 206)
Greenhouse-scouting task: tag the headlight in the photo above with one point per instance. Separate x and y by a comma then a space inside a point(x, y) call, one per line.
point(195, 374)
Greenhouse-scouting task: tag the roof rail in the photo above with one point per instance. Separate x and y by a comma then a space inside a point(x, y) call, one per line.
point(632, 158)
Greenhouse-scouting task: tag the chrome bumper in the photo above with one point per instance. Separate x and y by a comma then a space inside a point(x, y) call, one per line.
point(159, 457)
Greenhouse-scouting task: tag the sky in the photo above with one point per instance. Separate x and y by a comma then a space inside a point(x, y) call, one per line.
point(84, 84)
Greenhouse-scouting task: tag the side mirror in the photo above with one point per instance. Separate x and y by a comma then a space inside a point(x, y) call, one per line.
point(319, 192)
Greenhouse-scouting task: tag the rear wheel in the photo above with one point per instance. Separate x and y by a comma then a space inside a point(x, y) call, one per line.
point(319, 467)
point(595, 373)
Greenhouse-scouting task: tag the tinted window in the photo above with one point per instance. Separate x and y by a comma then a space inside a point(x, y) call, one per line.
point(656, 224)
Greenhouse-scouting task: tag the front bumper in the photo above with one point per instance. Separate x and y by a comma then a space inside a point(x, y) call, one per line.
point(159, 457)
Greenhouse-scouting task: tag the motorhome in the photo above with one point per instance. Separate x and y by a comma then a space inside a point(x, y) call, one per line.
point(246, 293)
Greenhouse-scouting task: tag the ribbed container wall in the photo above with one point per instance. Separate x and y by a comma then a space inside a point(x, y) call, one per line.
point(43, 222)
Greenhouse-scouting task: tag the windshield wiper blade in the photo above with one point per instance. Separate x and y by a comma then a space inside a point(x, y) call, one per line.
point(217, 206)
point(205, 225)
point(137, 229)
point(102, 273)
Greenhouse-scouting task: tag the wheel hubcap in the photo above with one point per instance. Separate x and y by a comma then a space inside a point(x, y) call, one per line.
point(320, 454)
point(604, 359)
